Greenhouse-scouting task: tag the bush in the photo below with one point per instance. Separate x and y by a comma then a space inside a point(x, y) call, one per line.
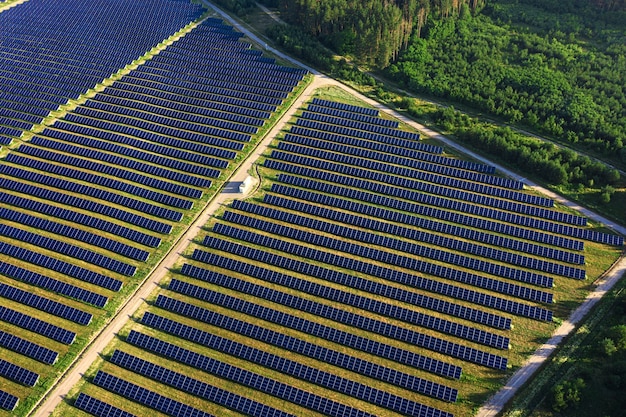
point(567, 394)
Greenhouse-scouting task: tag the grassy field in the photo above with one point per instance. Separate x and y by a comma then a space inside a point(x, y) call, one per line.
point(475, 385)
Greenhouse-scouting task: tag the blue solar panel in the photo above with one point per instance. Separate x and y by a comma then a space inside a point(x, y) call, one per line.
point(29, 349)
point(193, 386)
point(498, 303)
point(98, 408)
point(8, 401)
point(37, 326)
point(45, 304)
point(146, 397)
point(18, 374)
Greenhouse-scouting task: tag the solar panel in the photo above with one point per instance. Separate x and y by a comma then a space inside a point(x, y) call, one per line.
point(98, 408)
point(37, 326)
point(146, 397)
point(18, 374)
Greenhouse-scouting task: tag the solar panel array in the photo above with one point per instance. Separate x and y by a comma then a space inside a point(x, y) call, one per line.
point(42, 71)
point(90, 196)
point(344, 229)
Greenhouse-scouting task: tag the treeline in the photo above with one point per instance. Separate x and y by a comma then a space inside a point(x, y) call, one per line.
point(372, 31)
point(552, 164)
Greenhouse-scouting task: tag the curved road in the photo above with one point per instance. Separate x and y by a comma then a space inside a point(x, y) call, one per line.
point(92, 352)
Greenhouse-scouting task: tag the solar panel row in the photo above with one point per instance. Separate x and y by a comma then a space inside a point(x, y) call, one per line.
point(281, 390)
point(275, 362)
point(73, 187)
point(29, 349)
point(182, 112)
point(408, 247)
point(8, 401)
point(50, 284)
point(498, 303)
point(74, 252)
point(409, 170)
point(194, 386)
point(368, 286)
point(342, 130)
point(353, 124)
point(226, 77)
point(367, 345)
point(203, 91)
point(375, 120)
point(146, 397)
point(376, 142)
point(103, 129)
point(339, 315)
point(172, 106)
point(204, 125)
point(350, 263)
point(47, 70)
point(130, 163)
point(323, 354)
point(224, 81)
point(181, 99)
point(18, 374)
point(98, 408)
point(399, 218)
point(403, 188)
point(409, 207)
point(289, 320)
point(121, 173)
point(84, 204)
point(79, 218)
point(396, 147)
point(347, 107)
point(73, 233)
point(37, 326)
point(500, 215)
point(60, 266)
point(45, 304)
